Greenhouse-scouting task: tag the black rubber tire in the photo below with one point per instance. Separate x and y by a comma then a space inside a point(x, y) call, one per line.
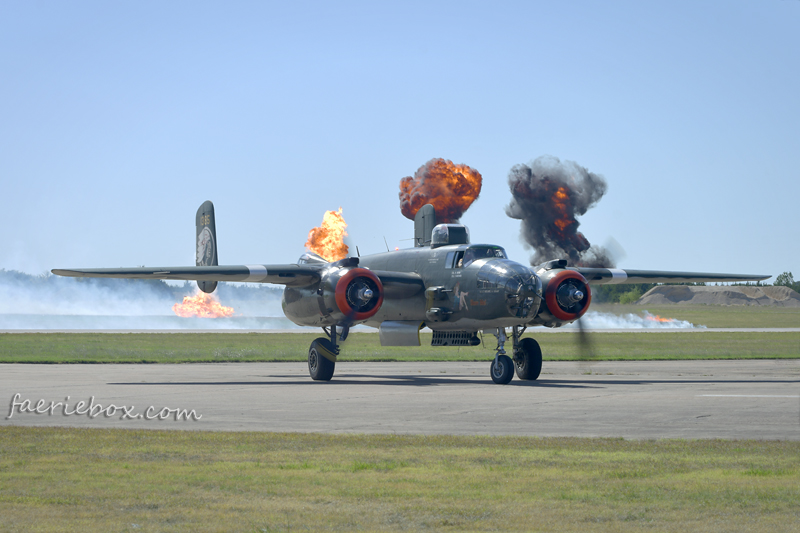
point(502, 369)
point(529, 364)
point(320, 367)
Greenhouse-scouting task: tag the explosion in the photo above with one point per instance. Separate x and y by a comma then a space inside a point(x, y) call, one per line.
point(450, 188)
point(548, 195)
point(201, 305)
point(327, 240)
point(656, 318)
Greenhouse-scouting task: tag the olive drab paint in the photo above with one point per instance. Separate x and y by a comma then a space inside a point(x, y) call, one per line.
point(424, 222)
point(206, 242)
point(446, 283)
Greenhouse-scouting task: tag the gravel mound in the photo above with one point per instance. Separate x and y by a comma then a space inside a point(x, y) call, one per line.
point(692, 295)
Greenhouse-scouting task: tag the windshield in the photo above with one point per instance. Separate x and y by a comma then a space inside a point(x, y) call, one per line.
point(473, 253)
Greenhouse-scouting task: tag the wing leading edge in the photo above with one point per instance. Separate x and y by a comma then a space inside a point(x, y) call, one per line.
point(602, 276)
point(396, 284)
point(291, 275)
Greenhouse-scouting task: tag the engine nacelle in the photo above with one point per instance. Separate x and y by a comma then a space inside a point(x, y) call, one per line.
point(358, 294)
point(344, 296)
point(566, 297)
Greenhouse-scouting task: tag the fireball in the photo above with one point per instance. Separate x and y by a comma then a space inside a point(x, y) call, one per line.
point(327, 240)
point(201, 305)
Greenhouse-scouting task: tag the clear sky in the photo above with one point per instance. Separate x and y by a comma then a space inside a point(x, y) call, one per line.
point(118, 119)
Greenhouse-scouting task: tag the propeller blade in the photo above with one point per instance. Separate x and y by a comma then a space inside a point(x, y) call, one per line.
point(585, 346)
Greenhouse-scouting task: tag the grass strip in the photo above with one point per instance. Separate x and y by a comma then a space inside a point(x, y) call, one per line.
point(270, 347)
point(57, 479)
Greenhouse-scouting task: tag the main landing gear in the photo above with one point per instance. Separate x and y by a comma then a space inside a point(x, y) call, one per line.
point(322, 354)
point(527, 357)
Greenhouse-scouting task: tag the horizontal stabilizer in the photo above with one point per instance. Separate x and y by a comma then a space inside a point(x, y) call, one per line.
point(601, 276)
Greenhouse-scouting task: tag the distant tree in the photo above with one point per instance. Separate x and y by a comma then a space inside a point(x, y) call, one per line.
point(612, 293)
point(631, 296)
point(787, 280)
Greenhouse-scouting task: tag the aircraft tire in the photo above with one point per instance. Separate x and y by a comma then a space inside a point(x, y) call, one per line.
point(529, 365)
point(320, 367)
point(502, 369)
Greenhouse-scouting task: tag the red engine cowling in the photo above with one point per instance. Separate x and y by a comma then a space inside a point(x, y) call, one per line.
point(567, 294)
point(358, 294)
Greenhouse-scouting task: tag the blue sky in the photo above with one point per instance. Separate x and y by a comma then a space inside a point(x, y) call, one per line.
point(120, 119)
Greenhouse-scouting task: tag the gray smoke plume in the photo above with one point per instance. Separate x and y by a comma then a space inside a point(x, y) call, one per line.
point(548, 195)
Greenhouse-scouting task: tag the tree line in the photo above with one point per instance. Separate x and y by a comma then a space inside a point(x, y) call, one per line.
point(630, 293)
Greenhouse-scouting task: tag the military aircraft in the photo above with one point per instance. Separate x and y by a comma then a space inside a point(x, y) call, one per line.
point(444, 282)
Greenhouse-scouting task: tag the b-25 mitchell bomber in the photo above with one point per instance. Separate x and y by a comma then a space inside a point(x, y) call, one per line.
point(445, 282)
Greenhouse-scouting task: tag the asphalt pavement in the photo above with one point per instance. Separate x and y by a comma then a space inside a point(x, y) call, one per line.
point(753, 399)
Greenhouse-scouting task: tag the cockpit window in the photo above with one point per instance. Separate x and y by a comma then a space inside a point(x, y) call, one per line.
point(473, 253)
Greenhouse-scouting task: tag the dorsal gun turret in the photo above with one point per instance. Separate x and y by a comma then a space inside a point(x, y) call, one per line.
point(445, 234)
point(428, 233)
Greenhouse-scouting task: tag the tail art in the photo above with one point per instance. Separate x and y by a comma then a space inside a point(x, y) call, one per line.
point(206, 243)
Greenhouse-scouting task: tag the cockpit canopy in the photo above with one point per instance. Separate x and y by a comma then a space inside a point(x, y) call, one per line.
point(462, 258)
point(473, 253)
point(310, 258)
point(445, 234)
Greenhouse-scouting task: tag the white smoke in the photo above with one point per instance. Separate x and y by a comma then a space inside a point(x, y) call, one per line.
point(597, 320)
point(52, 302)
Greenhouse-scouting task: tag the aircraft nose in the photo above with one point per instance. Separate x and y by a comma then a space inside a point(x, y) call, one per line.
point(521, 296)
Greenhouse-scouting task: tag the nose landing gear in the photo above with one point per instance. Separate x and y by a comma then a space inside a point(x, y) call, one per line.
point(502, 368)
point(527, 357)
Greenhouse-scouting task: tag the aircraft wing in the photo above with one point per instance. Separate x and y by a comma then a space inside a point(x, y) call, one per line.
point(292, 275)
point(601, 276)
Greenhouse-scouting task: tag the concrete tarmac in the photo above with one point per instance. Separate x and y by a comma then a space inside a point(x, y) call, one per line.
point(639, 400)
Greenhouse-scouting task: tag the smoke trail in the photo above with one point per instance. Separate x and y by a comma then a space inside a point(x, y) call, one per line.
point(598, 320)
point(548, 195)
point(450, 188)
point(53, 302)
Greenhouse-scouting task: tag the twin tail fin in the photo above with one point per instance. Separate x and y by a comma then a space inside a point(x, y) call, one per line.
point(206, 233)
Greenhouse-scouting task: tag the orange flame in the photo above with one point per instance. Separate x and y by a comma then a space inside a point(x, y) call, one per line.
point(561, 201)
point(201, 305)
point(656, 318)
point(327, 240)
point(449, 187)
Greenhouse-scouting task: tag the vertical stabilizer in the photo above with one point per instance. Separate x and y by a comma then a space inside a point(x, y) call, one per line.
point(206, 243)
point(424, 221)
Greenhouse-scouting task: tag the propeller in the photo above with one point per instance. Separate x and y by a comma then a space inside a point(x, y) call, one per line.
point(585, 345)
point(586, 350)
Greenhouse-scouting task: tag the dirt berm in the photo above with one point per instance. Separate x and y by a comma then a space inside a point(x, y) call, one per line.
point(693, 295)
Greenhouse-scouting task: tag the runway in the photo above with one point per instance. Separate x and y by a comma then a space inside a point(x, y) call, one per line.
point(649, 400)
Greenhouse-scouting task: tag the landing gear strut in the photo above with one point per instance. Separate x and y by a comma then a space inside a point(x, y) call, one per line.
point(322, 354)
point(527, 357)
point(502, 369)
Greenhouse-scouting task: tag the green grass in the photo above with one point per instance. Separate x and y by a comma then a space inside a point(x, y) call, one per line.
point(251, 347)
point(54, 479)
point(715, 316)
